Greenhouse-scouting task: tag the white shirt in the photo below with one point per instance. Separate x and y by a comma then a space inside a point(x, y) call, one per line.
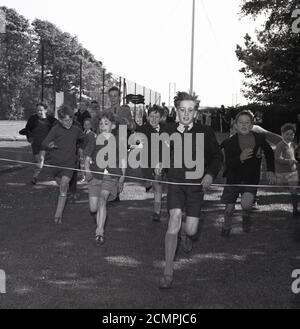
point(157, 128)
point(181, 127)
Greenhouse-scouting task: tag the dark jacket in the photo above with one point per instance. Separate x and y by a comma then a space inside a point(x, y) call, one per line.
point(213, 157)
point(80, 117)
point(37, 129)
point(32, 123)
point(247, 172)
point(148, 130)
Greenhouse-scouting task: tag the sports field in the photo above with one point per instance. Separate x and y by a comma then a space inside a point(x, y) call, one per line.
point(48, 266)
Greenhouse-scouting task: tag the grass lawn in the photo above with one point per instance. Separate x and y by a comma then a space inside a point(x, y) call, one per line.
point(60, 267)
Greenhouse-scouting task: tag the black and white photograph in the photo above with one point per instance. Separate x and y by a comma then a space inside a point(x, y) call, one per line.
point(149, 157)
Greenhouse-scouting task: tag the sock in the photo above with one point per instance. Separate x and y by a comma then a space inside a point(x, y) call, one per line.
point(100, 231)
point(60, 206)
point(157, 207)
point(94, 215)
point(227, 220)
point(170, 249)
point(295, 202)
point(246, 215)
point(36, 173)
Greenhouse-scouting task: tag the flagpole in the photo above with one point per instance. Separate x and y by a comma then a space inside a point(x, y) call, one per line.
point(192, 51)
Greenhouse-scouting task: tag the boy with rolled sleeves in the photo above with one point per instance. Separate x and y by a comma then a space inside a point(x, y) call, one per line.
point(186, 191)
point(61, 143)
point(243, 155)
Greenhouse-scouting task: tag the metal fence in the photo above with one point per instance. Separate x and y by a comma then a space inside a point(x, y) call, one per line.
point(126, 86)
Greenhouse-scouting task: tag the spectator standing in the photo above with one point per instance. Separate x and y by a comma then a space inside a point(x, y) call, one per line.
point(82, 114)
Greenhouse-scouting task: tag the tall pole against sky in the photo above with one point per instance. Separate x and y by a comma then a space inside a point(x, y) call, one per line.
point(192, 51)
point(43, 70)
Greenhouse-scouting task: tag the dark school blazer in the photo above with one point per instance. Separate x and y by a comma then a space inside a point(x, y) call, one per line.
point(247, 172)
point(213, 157)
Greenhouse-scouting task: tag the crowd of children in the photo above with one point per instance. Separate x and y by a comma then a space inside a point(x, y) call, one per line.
point(243, 152)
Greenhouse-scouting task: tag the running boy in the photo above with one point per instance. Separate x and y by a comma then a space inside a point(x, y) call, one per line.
point(89, 137)
point(103, 187)
point(153, 126)
point(36, 130)
point(243, 164)
point(286, 163)
point(61, 142)
point(183, 197)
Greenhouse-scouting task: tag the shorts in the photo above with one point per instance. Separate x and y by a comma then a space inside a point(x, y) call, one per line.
point(148, 173)
point(59, 172)
point(231, 193)
point(109, 184)
point(288, 178)
point(187, 198)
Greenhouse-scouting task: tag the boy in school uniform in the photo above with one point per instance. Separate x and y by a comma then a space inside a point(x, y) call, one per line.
point(102, 187)
point(153, 126)
point(181, 195)
point(61, 142)
point(243, 155)
point(286, 163)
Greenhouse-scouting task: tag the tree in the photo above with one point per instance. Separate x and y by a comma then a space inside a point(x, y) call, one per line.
point(20, 66)
point(272, 63)
point(63, 55)
point(18, 51)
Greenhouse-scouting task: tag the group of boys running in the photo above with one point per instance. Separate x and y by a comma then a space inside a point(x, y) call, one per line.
point(243, 155)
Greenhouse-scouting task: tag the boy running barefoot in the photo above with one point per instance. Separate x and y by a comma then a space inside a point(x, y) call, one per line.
point(243, 164)
point(61, 143)
point(286, 163)
point(182, 196)
point(103, 187)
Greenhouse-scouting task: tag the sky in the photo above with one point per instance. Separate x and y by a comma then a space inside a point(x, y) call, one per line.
point(149, 41)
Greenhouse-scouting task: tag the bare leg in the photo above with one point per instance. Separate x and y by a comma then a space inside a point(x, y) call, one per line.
point(63, 190)
point(101, 215)
point(247, 203)
point(171, 241)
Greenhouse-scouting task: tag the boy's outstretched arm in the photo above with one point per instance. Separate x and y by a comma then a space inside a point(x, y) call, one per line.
point(269, 154)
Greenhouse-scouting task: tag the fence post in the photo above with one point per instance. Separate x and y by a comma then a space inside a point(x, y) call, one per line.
point(43, 68)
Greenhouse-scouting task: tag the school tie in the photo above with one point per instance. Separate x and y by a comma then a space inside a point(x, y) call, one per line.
point(186, 129)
